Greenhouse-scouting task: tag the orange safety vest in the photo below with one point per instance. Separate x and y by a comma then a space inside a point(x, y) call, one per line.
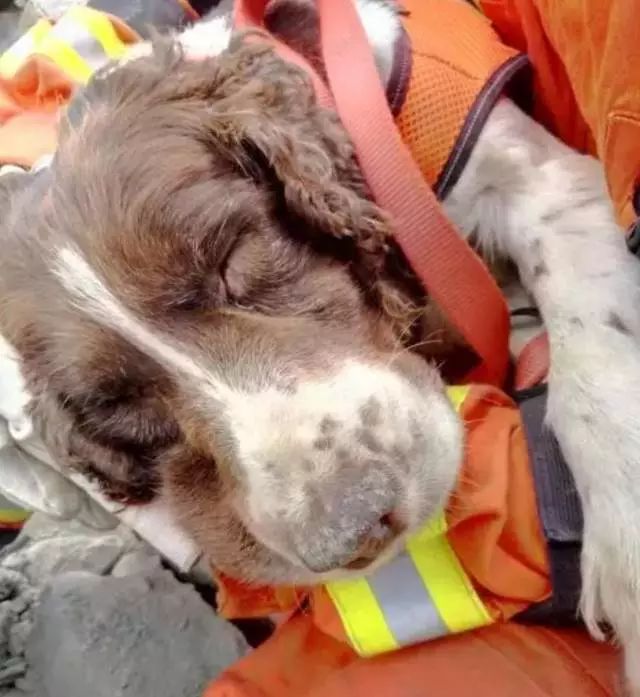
point(40, 72)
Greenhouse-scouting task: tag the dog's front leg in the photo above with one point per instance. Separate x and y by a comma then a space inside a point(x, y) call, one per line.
point(526, 196)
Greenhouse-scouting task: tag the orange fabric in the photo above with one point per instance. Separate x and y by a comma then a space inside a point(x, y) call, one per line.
point(493, 519)
point(241, 601)
point(29, 106)
point(505, 660)
point(586, 55)
point(31, 100)
point(455, 52)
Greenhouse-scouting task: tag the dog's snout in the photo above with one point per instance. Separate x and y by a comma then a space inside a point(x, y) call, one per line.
point(387, 528)
point(352, 539)
point(341, 468)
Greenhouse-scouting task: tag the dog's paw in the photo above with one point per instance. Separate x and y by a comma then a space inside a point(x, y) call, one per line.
point(594, 410)
point(611, 588)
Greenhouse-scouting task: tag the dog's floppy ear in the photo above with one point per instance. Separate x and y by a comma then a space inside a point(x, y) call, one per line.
point(100, 409)
point(266, 108)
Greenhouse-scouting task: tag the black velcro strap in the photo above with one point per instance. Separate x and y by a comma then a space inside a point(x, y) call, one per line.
point(633, 238)
point(633, 233)
point(560, 514)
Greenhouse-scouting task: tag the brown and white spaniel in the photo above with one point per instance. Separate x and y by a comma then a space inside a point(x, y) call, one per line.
point(208, 304)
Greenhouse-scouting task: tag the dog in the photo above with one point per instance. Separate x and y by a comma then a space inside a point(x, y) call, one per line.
point(208, 306)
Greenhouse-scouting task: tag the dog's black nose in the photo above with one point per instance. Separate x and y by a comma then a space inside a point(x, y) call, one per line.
point(359, 551)
point(387, 528)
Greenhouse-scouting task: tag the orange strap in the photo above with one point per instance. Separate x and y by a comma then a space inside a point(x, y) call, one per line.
point(452, 273)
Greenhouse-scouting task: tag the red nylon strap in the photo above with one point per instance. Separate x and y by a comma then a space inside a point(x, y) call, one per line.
point(452, 273)
point(532, 366)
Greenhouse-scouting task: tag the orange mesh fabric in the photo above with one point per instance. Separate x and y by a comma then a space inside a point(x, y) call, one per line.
point(455, 52)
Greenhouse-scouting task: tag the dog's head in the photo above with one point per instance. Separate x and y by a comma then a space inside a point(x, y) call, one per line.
point(208, 304)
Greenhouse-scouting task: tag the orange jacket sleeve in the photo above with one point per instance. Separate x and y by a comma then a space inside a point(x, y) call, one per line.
point(586, 55)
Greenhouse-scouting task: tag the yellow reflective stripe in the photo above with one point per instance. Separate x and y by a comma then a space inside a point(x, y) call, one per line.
point(457, 394)
point(65, 57)
point(16, 54)
point(82, 40)
point(361, 617)
point(449, 586)
point(422, 594)
point(13, 515)
point(100, 27)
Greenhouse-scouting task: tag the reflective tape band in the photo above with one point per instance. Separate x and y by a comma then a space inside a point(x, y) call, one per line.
point(406, 602)
point(66, 58)
point(100, 27)
point(362, 617)
point(449, 586)
point(13, 515)
point(17, 53)
point(82, 41)
point(422, 594)
point(457, 394)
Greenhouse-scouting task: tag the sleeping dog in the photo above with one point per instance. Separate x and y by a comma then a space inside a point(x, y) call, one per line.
point(208, 305)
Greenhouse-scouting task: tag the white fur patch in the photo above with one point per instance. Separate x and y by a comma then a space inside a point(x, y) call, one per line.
point(210, 36)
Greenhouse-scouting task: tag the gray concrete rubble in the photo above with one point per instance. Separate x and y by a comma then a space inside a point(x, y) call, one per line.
point(84, 612)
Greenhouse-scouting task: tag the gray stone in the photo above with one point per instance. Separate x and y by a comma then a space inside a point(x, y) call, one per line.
point(54, 556)
point(139, 561)
point(17, 598)
point(47, 547)
point(133, 636)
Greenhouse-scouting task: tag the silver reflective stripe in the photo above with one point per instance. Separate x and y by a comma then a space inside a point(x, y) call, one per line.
point(408, 609)
point(82, 42)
